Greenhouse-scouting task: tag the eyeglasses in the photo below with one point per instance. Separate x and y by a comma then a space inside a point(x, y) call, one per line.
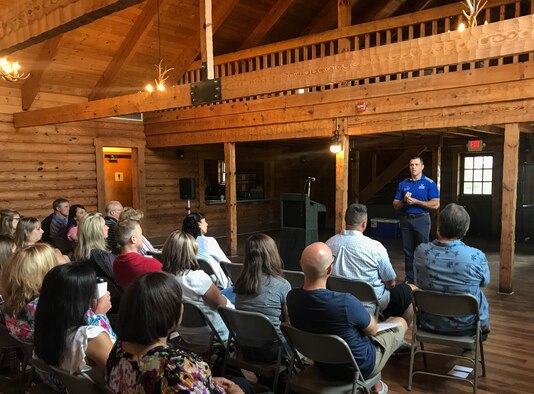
point(333, 259)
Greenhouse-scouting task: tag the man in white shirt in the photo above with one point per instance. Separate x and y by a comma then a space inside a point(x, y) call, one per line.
point(362, 258)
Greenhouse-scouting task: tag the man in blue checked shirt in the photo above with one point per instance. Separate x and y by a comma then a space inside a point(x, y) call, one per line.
point(450, 266)
point(416, 196)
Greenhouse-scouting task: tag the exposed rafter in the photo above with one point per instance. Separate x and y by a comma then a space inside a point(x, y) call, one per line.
point(185, 59)
point(267, 23)
point(32, 85)
point(381, 10)
point(29, 23)
point(128, 48)
point(325, 19)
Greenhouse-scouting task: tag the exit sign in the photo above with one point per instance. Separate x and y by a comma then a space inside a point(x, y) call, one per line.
point(475, 145)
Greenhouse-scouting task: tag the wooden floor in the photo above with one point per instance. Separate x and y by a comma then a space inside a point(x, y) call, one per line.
point(509, 348)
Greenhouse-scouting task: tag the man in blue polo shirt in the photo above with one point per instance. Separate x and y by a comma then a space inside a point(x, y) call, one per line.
point(416, 196)
point(316, 309)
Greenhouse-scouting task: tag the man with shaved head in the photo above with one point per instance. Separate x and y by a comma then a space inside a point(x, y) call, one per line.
point(316, 309)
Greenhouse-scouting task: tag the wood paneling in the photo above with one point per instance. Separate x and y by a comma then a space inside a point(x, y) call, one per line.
point(38, 165)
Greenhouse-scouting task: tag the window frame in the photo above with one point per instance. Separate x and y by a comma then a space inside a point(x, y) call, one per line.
point(482, 182)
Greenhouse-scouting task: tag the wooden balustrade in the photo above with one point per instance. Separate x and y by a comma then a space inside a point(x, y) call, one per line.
point(367, 35)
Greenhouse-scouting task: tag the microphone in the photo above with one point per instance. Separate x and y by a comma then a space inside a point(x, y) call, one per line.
point(311, 178)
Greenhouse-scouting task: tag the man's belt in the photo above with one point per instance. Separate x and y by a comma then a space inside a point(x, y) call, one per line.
point(415, 215)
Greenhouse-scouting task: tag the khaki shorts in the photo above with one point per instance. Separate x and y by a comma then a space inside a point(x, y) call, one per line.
point(386, 342)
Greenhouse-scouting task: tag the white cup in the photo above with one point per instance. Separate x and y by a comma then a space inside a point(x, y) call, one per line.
point(102, 287)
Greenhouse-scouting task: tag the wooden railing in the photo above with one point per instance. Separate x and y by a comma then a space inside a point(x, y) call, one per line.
point(358, 37)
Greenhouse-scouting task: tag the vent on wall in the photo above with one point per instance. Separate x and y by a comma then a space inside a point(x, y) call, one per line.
point(135, 117)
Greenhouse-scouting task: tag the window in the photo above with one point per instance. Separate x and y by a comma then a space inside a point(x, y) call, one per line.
point(477, 174)
point(221, 172)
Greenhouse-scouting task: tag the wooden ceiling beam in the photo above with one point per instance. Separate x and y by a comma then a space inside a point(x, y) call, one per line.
point(527, 128)
point(139, 30)
point(324, 20)
point(381, 10)
point(29, 23)
point(186, 58)
point(485, 130)
point(31, 87)
point(267, 23)
point(429, 52)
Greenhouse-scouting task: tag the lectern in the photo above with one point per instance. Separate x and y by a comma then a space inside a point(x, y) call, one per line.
point(299, 227)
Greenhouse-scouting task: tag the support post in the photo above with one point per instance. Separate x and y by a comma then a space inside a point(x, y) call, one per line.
point(355, 176)
point(206, 37)
point(231, 198)
point(342, 176)
point(436, 177)
point(509, 201)
point(344, 19)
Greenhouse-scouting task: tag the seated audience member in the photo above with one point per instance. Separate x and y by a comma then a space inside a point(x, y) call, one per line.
point(208, 248)
point(8, 222)
point(113, 212)
point(179, 259)
point(262, 288)
point(315, 309)
point(58, 225)
point(7, 248)
point(29, 232)
point(92, 250)
point(76, 214)
point(130, 264)
point(450, 266)
point(362, 258)
point(22, 277)
point(130, 213)
point(63, 336)
point(142, 361)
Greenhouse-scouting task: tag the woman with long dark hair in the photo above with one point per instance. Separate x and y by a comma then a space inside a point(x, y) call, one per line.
point(76, 214)
point(63, 337)
point(209, 250)
point(142, 361)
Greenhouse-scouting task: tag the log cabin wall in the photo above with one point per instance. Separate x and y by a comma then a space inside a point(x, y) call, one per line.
point(42, 163)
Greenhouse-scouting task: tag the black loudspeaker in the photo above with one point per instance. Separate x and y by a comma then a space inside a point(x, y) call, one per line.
point(188, 190)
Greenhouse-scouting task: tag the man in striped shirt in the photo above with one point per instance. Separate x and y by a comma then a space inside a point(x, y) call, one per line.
point(362, 258)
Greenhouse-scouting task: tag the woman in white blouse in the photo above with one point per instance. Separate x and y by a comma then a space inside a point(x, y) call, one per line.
point(208, 248)
point(179, 259)
point(71, 329)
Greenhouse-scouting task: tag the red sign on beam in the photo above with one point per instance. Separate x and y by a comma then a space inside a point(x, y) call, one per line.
point(475, 145)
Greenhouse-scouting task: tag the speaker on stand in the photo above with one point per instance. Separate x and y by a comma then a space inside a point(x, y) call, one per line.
point(188, 191)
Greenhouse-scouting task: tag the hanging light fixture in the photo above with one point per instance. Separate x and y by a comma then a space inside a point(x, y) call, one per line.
point(10, 71)
point(160, 68)
point(335, 145)
point(474, 7)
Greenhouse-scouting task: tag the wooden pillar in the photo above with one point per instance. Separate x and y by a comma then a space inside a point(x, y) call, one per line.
point(231, 198)
point(509, 200)
point(344, 18)
point(206, 37)
point(342, 176)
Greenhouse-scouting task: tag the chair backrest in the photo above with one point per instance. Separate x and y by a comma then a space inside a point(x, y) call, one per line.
point(157, 255)
point(249, 328)
point(445, 304)
point(6, 340)
point(204, 266)
point(232, 270)
point(328, 349)
point(358, 288)
point(295, 278)
point(27, 348)
point(78, 383)
point(194, 317)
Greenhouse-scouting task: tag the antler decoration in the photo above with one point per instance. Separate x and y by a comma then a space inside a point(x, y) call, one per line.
point(162, 74)
point(474, 9)
point(162, 77)
point(10, 71)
